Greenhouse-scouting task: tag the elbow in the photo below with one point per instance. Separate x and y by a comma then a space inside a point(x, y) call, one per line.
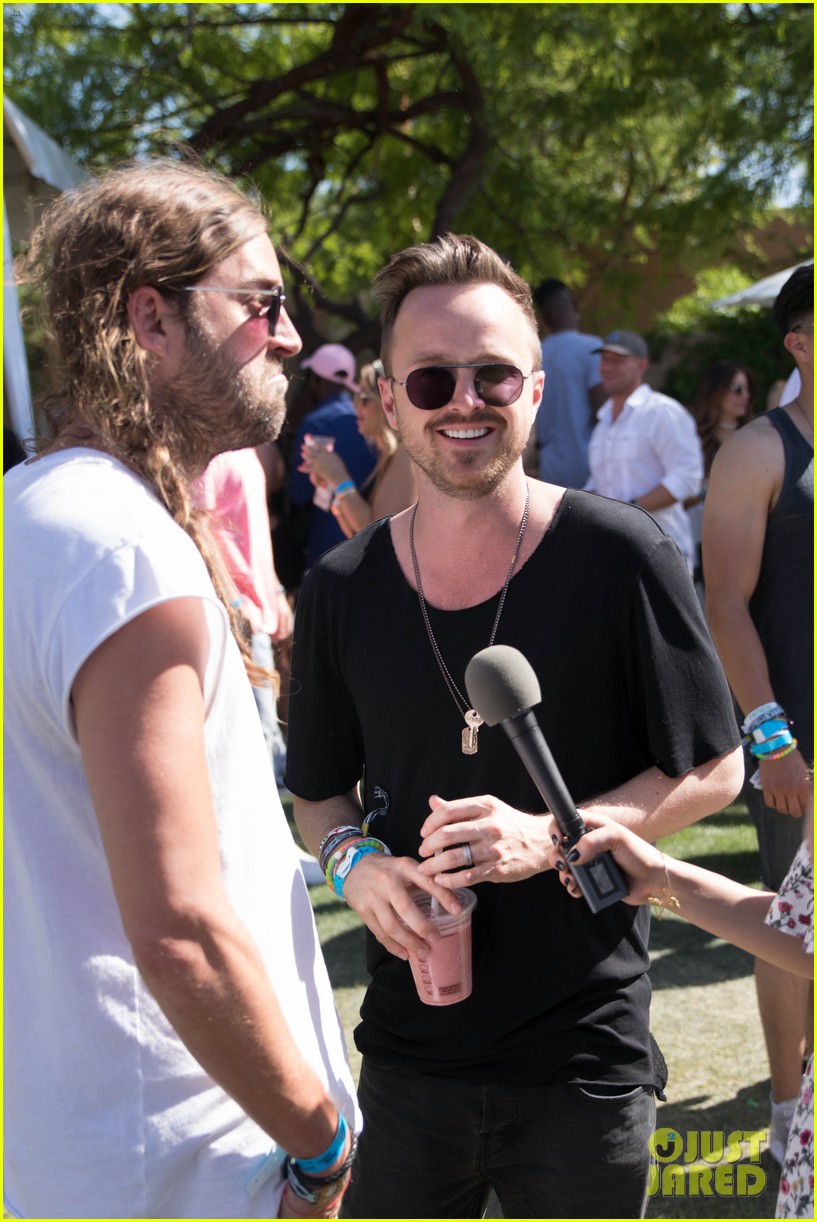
point(181, 951)
point(728, 777)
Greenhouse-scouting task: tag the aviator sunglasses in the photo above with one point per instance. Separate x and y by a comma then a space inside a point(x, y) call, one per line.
point(432, 387)
point(276, 298)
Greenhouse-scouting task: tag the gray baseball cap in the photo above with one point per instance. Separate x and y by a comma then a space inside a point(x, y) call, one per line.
point(625, 343)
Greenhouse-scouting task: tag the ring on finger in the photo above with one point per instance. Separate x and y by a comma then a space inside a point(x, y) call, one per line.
point(468, 855)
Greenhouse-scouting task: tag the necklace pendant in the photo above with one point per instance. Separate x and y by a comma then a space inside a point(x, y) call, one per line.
point(469, 735)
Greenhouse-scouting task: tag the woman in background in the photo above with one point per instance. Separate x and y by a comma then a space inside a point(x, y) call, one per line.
point(723, 403)
point(389, 489)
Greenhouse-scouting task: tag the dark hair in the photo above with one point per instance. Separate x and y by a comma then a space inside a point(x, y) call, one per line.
point(547, 289)
point(707, 406)
point(795, 301)
point(449, 259)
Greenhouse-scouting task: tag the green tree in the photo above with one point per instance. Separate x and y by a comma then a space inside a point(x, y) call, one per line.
point(574, 138)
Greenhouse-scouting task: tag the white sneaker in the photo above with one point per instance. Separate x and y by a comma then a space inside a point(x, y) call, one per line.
point(779, 1125)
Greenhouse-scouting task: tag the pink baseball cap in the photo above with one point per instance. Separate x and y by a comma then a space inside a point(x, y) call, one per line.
point(335, 363)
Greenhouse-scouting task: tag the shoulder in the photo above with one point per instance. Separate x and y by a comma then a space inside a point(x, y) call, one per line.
point(756, 449)
point(348, 558)
point(613, 527)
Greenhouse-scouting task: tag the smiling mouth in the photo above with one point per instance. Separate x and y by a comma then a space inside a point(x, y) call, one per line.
point(465, 434)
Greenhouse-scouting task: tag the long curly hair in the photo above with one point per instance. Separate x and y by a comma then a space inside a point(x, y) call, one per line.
point(162, 223)
point(707, 406)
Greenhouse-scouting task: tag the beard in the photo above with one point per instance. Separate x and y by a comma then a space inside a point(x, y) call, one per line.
point(214, 404)
point(466, 475)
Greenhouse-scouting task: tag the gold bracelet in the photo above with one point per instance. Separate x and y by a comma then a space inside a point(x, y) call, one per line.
point(666, 900)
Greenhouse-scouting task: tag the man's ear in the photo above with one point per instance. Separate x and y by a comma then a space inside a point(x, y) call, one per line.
point(153, 319)
point(387, 401)
point(795, 343)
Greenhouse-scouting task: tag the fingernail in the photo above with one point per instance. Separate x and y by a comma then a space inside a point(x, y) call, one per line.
point(573, 855)
point(560, 865)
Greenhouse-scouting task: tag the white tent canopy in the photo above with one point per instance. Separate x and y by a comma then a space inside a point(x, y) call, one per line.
point(35, 171)
point(764, 292)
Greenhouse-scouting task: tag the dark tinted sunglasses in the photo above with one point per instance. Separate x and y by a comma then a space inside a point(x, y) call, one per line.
point(432, 387)
point(275, 297)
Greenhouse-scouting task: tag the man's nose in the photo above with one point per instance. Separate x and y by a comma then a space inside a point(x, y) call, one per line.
point(285, 338)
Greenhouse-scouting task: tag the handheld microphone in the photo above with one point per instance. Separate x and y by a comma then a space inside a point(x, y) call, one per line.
point(502, 687)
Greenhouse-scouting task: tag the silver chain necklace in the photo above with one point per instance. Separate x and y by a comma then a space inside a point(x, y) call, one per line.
point(472, 718)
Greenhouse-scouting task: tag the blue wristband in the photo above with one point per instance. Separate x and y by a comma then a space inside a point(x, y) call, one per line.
point(348, 861)
point(313, 1166)
point(770, 745)
point(348, 485)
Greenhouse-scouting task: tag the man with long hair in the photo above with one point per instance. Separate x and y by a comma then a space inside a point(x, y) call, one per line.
point(171, 1045)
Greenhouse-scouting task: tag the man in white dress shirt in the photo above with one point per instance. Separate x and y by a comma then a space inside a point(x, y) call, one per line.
point(645, 447)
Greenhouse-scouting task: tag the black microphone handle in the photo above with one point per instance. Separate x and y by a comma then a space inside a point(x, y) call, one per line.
point(600, 881)
point(527, 737)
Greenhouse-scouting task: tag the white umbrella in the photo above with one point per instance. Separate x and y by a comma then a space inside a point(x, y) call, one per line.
point(764, 292)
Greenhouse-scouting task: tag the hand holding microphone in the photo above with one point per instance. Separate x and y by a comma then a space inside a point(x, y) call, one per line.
point(503, 688)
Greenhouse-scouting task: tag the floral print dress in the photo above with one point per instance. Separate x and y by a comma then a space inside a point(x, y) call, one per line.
point(793, 912)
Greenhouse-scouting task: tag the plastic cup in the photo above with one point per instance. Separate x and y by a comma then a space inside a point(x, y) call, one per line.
point(443, 975)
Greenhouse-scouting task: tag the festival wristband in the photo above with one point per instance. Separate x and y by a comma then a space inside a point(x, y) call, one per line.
point(762, 713)
point(345, 488)
point(771, 745)
point(322, 1162)
point(342, 866)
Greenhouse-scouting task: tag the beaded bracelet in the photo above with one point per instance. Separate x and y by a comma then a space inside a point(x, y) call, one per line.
point(666, 899)
point(341, 827)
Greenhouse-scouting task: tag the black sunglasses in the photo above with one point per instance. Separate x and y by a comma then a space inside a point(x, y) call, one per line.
point(276, 298)
point(432, 387)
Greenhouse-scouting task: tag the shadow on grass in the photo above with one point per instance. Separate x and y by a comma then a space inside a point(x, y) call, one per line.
point(345, 955)
point(684, 955)
point(747, 1111)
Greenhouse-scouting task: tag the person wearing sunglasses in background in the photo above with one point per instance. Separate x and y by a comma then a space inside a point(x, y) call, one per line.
point(723, 404)
point(389, 488)
point(644, 448)
point(169, 1022)
point(758, 560)
point(541, 1083)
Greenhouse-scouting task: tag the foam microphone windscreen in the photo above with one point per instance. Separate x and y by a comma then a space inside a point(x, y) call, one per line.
point(501, 682)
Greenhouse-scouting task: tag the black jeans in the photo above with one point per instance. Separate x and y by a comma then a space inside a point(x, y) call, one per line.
point(433, 1147)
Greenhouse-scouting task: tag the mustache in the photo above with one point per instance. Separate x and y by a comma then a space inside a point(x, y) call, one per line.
point(475, 420)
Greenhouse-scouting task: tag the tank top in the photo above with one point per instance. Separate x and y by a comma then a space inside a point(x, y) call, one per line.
point(782, 606)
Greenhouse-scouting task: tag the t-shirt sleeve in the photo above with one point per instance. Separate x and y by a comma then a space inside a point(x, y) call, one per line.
point(324, 740)
point(678, 688)
point(120, 585)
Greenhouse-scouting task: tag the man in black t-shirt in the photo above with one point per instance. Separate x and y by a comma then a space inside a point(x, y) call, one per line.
point(542, 1082)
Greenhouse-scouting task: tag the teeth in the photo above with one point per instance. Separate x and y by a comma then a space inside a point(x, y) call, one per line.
point(466, 434)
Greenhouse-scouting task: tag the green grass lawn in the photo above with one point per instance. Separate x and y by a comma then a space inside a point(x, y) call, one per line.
point(704, 1012)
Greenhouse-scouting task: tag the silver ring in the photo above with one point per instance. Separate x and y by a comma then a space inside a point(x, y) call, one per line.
point(468, 855)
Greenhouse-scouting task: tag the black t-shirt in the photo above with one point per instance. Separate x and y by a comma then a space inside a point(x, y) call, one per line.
point(605, 612)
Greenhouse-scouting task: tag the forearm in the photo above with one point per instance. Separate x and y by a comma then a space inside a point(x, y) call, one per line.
point(352, 512)
point(316, 819)
point(209, 980)
point(658, 497)
point(655, 805)
point(735, 913)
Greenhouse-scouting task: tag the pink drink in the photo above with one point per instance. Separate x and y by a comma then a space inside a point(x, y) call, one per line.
point(443, 976)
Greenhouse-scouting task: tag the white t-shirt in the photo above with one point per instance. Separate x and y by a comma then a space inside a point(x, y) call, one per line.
point(107, 1113)
point(653, 441)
